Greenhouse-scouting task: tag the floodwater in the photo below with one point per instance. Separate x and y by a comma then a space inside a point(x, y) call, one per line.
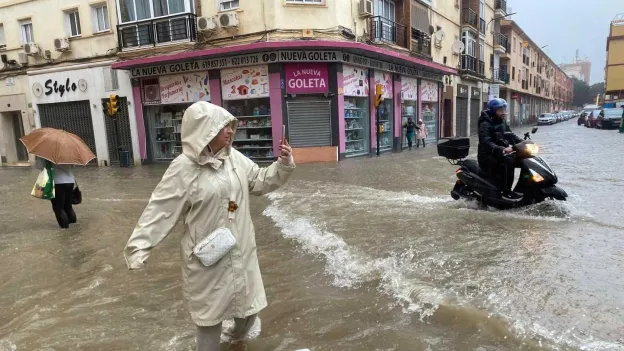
point(367, 254)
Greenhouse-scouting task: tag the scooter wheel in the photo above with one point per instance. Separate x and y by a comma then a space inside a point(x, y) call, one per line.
point(455, 195)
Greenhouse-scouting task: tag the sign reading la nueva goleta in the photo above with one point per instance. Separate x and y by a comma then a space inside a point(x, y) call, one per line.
point(280, 56)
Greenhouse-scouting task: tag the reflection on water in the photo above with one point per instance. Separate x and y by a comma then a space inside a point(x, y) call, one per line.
point(367, 254)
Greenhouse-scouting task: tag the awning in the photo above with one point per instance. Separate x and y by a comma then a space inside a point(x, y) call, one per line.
point(420, 17)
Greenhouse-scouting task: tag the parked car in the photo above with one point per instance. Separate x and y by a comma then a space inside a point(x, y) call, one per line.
point(609, 118)
point(581, 120)
point(558, 117)
point(546, 118)
point(592, 119)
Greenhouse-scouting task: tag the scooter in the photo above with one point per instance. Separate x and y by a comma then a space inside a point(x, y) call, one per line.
point(537, 180)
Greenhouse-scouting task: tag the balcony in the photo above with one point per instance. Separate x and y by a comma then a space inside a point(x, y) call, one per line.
point(154, 32)
point(470, 18)
point(501, 42)
point(421, 44)
point(482, 26)
point(385, 30)
point(500, 9)
point(500, 76)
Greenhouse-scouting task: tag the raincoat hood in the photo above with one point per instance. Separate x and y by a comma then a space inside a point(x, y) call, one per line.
point(201, 123)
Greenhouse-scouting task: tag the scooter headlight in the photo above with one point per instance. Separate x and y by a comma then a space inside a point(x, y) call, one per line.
point(536, 177)
point(533, 149)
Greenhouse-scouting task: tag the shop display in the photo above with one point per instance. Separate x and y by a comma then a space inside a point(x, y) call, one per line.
point(409, 105)
point(357, 133)
point(253, 136)
point(429, 93)
point(386, 111)
point(356, 111)
point(165, 125)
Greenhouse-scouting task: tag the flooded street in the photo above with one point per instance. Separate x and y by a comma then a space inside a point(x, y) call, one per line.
point(367, 254)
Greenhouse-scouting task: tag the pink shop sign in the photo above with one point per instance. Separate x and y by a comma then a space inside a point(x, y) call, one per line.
point(307, 78)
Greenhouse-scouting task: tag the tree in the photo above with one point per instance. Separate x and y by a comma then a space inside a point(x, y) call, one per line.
point(582, 94)
point(596, 89)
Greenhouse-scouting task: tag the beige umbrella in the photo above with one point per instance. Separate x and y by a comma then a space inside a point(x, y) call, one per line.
point(58, 146)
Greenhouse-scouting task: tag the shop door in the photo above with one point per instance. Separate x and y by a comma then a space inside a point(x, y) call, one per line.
point(475, 112)
point(461, 121)
point(119, 134)
point(309, 122)
point(18, 131)
point(448, 118)
point(74, 117)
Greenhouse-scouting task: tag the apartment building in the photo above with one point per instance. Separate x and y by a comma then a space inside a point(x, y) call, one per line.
point(614, 71)
point(532, 82)
point(55, 69)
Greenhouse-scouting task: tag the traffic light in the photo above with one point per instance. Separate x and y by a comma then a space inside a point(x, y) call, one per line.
point(113, 105)
point(378, 95)
point(105, 105)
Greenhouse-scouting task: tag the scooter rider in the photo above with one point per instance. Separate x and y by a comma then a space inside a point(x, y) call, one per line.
point(494, 145)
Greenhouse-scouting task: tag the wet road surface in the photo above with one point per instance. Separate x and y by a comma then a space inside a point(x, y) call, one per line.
point(367, 254)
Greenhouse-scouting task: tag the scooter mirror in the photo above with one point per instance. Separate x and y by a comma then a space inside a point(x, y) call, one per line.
point(534, 130)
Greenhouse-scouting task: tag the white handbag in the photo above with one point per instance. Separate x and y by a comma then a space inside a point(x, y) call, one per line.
point(218, 243)
point(213, 247)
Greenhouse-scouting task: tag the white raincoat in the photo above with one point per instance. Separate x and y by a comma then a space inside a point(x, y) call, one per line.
point(198, 186)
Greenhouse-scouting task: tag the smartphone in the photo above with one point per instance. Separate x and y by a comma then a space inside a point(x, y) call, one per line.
point(283, 133)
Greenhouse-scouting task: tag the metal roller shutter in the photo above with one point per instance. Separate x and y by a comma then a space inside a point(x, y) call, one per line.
point(74, 117)
point(125, 135)
point(475, 112)
point(461, 123)
point(309, 122)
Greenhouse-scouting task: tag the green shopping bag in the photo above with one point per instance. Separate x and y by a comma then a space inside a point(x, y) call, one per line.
point(44, 187)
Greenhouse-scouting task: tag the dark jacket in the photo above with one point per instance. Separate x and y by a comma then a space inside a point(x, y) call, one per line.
point(411, 127)
point(492, 141)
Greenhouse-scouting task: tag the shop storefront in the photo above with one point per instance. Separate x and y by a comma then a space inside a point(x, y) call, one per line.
point(475, 110)
point(386, 111)
point(245, 93)
point(322, 97)
point(356, 111)
point(430, 108)
point(165, 100)
point(72, 100)
point(409, 105)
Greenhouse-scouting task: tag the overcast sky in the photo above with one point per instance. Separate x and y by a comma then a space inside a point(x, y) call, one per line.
point(567, 25)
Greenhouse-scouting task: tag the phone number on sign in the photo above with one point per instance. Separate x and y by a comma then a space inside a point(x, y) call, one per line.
point(229, 62)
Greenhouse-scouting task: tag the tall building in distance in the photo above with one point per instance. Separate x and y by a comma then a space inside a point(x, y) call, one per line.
point(614, 71)
point(579, 69)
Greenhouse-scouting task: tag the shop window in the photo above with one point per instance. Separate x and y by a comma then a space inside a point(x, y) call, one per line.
point(2, 40)
point(100, 18)
point(227, 5)
point(165, 128)
point(72, 22)
point(28, 35)
point(356, 111)
point(254, 133)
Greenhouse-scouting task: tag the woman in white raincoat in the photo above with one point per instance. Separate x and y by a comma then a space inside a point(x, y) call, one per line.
point(198, 185)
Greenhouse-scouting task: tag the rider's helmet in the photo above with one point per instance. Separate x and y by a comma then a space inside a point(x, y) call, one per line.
point(495, 105)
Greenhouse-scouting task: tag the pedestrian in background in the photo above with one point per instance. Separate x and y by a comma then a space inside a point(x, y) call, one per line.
point(422, 133)
point(64, 181)
point(410, 128)
point(209, 185)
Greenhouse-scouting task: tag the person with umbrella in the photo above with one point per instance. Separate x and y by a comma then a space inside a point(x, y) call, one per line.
point(60, 150)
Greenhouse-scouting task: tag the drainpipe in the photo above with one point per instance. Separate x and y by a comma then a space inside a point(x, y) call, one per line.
point(622, 121)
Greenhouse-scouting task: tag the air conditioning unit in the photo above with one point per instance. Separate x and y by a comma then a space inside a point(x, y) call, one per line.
point(61, 44)
point(228, 20)
point(151, 93)
point(22, 58)
point(366, 8)
point(206, 24)
point(31, 49)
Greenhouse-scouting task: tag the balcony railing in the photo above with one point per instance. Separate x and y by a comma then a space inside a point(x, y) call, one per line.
point(501, 5)
point(482, 26)
point(421, 43)
point(469, 17)
point(468, 63)
point(500, 75)
point(502, 40)
point(157, 31)
point(383, 29)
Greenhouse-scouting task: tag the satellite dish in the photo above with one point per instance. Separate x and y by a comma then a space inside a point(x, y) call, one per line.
point(440, 35)
point(458, 47)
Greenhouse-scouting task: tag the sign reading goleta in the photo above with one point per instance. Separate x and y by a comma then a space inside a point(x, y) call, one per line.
point(280, 56)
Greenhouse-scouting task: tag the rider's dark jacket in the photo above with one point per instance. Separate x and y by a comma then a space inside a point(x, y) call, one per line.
point(492, 140)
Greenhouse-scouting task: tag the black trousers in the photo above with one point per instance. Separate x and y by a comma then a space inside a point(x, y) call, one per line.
point(418, 142)
point(500, 171)
point(62, 204)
